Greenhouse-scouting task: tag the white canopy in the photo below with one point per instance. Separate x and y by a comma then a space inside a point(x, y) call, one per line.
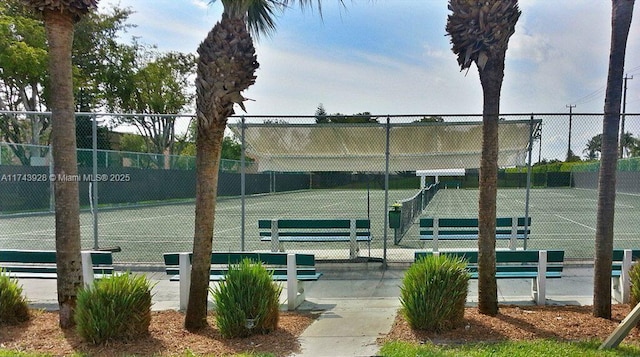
point(361, 147)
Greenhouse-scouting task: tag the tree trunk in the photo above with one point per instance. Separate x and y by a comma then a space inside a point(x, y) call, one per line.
point(491, 79)
point(59, 29)
point(208, 149)
point(621, 15)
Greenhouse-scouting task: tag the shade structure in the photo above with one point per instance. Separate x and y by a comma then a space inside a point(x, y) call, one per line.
point(362, 147)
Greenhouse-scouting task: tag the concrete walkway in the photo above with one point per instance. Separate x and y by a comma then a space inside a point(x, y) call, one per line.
point(358, 302)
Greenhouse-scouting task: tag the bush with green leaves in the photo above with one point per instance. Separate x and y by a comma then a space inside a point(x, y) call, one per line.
point(114, 308)
point(434, 292)
point(247, 301)
point(634, 276)
point(13, 305)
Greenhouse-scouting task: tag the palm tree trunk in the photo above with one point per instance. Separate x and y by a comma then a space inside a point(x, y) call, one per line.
point(621, 15)
point(209, 148)
point(59, 30)
point(491, 79)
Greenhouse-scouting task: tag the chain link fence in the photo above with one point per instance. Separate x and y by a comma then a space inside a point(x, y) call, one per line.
point(137, 181)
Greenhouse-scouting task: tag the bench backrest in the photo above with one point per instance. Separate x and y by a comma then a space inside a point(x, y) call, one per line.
point(314, 227)
point(457, 225)
point(44, 261)
point(618, 257)
point(220, 261)
point(509, 260)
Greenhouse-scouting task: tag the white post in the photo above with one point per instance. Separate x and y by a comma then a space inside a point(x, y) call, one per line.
point(541, 283)
point(624, 276)
point(275, 240)
point(87, 268)
point(184, 265)
point(353, 246)
point(292, 282)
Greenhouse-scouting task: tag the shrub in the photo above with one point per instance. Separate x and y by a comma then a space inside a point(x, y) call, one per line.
point(247, 301)
point(114, 308)
point(13, 305)
point(634, 276)
point(434, 292)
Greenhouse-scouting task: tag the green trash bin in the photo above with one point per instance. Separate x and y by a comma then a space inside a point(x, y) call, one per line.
point(394, 216)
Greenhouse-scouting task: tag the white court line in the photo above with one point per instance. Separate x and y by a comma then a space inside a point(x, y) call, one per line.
point(617, 204)
point(572, 221)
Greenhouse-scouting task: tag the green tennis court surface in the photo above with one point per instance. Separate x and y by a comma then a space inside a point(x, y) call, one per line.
point(561, 219)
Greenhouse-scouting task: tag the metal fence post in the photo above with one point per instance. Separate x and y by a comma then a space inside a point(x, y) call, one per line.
point(242, 187)
point(386, 195)
point(94, 181)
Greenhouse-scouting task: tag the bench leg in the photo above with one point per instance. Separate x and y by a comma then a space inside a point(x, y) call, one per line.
point(353, 240)
point(616, 289)
point(625, 280)
point(185, 279)
point(539, 287)
point(87, 269)
point(295, 288)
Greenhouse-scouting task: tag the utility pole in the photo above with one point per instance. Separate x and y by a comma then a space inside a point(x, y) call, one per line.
point(624, 110)
point(569, 152)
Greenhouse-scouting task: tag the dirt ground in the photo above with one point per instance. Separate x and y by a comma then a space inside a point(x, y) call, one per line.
point(567, 323)
point(167, 337)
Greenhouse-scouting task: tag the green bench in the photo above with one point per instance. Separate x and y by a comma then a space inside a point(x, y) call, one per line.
point(537, 265)
point(41, 264)
point(279, 231)
point(622, 261)
point(507, 228)
point(292, 268)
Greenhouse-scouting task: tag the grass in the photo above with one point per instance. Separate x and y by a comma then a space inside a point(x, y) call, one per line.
point(538, 348)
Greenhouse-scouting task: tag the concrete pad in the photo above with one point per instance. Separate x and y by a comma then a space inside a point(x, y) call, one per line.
point(332, 347)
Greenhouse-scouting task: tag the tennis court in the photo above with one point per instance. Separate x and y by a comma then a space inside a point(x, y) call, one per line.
point(561, 219)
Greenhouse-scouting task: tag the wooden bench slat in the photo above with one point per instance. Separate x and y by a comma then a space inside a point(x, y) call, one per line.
point(41, 264)
point(436, 229)
point(280, 266)
point(511, 264)
point(315, 230)
point(315, 223)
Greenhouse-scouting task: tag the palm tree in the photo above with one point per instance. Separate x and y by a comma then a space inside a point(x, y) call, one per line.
point(627, 144)
point(621, 14)
point(226, 67)
point(594, 147)
point(59, 18)
point(480, 32)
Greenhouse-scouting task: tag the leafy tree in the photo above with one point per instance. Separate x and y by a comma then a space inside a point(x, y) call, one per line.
point(23, 64)
point(59, 17)
point(24, 83)
point(226, 67)
point(430, 119)
point(571, 157)
point(480, 32)
point(84, 140)
point(157, 85)
point(364, 117)
point(621, 15)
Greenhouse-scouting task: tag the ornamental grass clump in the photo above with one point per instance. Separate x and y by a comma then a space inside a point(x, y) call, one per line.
point(116, 308)
point(434, 292)
point(247, 301)
point(13, 305)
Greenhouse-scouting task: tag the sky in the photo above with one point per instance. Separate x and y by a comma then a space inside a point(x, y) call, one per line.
point(392, 57)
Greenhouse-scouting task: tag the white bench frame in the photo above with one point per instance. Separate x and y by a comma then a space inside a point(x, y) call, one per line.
point(621, 285)
point(88, 275)
point(353, 239)
point(295, 288)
